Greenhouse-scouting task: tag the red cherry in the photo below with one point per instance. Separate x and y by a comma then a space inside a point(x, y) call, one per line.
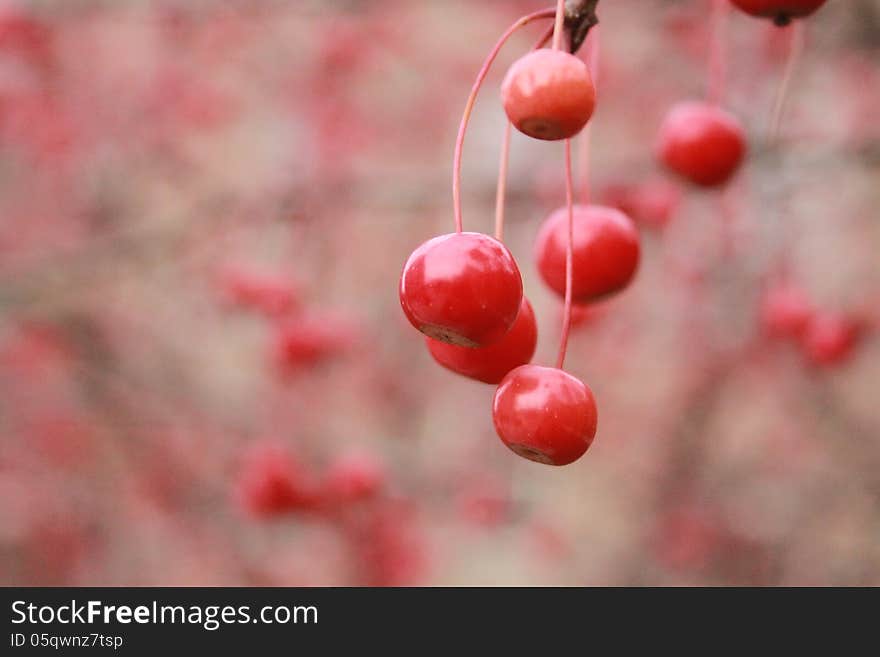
point(606, 251)
point(24, 35)
point(491, 364)
point(781, 11)
point(272, 482)
point(785, 311)
point(830, 339)
point(389, 544)
point(548, 94)
point(353, 478)
point(701, 143)
point(461, 288)
point(308, 341)
point(544, 414)
point(272, 294)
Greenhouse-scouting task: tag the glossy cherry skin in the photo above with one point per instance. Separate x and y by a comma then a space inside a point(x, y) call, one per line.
point(544, 414)
point(701, 143)
point(606, 251)
point(548, 94)
point(491, 364)
point(781, 11)
point(461, 288)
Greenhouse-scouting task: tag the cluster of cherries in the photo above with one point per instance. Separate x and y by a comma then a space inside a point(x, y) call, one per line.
point(273, 482)
point(702, 142)
point(302, 338)
point(825, 338)
point(352, 494)
point(464, 290)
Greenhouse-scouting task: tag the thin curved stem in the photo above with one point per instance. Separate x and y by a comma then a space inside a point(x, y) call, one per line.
point(545, 38)
point(469, 106)
point(569, 257)
point(501, 190)
point(718, 52)
point(595, 44)
point(795, 49)
point(557, 25)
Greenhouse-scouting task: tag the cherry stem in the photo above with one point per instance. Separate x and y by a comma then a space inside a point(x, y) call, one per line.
point(545, 38)
point(469, 106)
point(795, 48)
point(502, 183)
point(557, 25)
point(569, 257)
point(501, 190)
point(595, 50)
point(586, 137)
point(717, 51)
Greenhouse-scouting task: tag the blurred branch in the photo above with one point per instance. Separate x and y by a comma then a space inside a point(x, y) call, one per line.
point(852, 441)
point(867, 23)
point(688, 437)
point(580, 17)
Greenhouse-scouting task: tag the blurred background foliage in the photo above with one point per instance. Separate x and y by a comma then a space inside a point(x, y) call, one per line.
point(204, 208)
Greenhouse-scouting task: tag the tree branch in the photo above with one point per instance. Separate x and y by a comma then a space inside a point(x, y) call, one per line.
point(580, 17)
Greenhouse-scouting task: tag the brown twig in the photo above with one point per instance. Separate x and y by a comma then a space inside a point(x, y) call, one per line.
point(580, 17)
